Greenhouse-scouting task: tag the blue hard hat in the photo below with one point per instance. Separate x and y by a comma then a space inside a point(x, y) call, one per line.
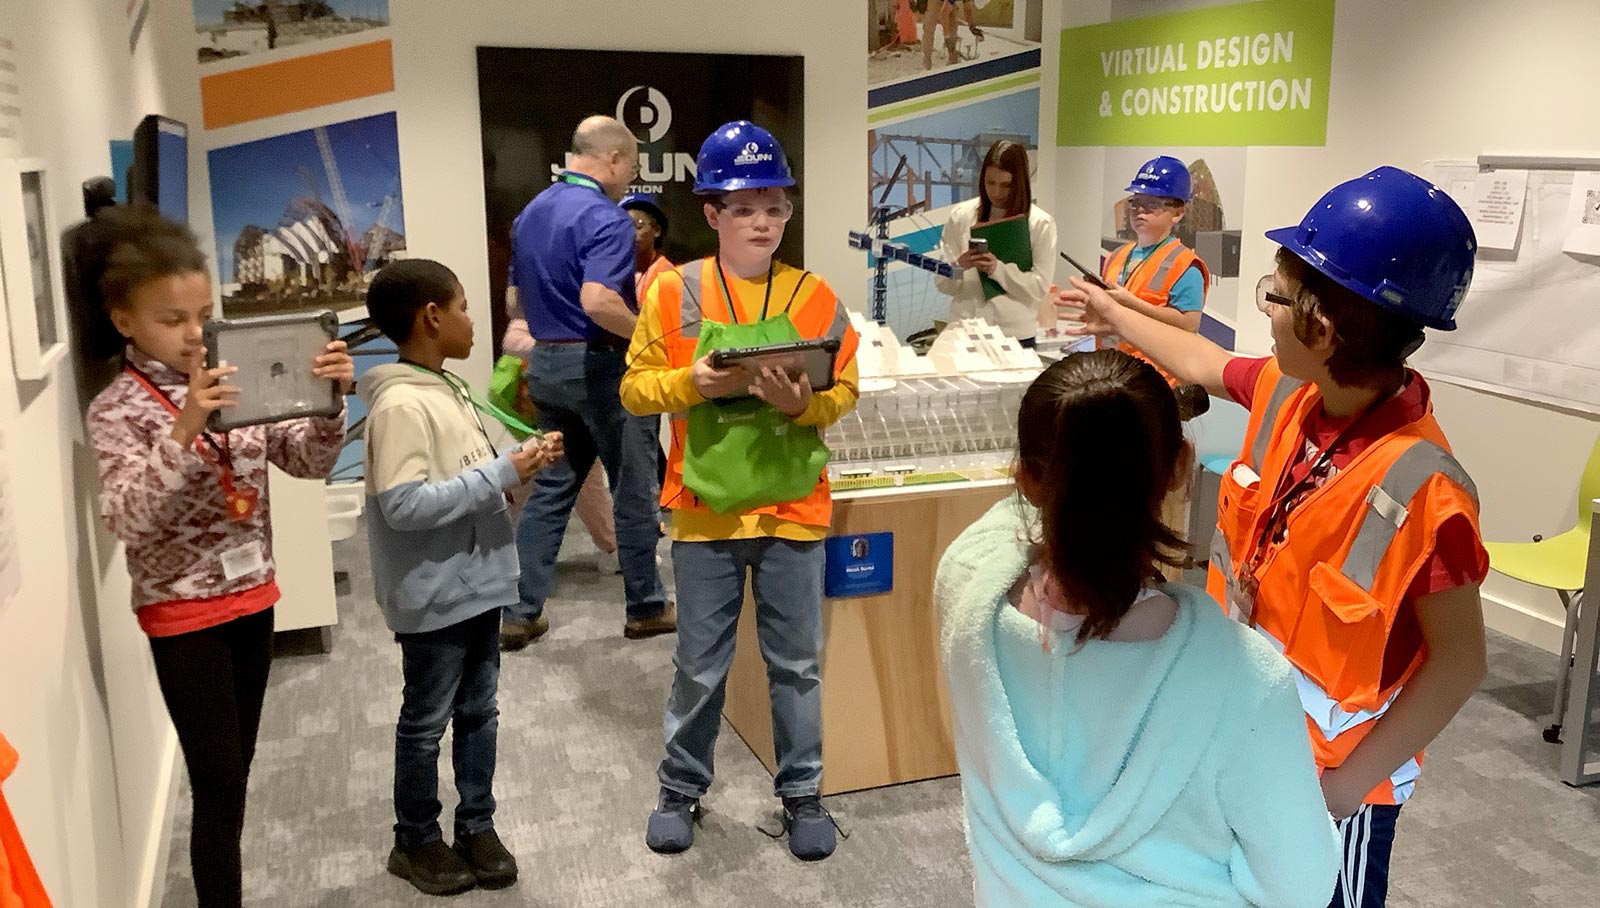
point(1392, 238)
point(645, 203)
point(740, 155)
point(1164, 176)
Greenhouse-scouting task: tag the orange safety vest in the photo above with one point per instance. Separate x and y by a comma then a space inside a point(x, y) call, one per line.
point(1328, 594)
point(645, 278)
point(1152, 280)
point(19, 882)
point(816, 313)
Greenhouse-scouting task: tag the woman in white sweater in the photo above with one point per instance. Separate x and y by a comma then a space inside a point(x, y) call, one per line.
point(1004, 191)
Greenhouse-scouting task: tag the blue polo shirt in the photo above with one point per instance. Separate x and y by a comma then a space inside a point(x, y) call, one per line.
point(569, 235)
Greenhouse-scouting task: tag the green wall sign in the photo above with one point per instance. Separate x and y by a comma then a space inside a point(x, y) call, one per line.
point(1249, 74)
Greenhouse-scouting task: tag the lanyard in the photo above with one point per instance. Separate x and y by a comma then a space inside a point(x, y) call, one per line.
point(1278, 509)
point(578, 179)
point(465, 392)
point(1129, 266)
point(733, 311)
point(240, 499)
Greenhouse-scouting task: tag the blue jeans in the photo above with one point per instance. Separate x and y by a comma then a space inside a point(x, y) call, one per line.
point(787, 580)
point(451, 676)
point(575, 387)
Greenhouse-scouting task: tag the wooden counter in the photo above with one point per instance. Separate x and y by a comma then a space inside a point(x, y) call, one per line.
point(885, 711)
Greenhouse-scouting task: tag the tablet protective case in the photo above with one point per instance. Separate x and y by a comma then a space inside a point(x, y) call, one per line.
point(817, 360)
point(274, 355)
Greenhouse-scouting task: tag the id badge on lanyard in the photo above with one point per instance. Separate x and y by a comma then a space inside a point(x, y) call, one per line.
point(239, 500)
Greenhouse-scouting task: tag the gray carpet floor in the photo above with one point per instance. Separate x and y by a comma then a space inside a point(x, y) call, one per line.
point(580, 736)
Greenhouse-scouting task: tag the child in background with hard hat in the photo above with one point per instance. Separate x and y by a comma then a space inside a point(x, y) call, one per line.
point(745, 481)
point(1167, 278)
point(1347, 533)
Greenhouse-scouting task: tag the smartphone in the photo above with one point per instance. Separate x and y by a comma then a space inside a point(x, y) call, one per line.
point(1090, 276)
point(978, 246)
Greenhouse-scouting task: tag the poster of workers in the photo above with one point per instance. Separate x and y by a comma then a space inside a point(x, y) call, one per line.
point(225, 29)
point(670, 101)
point(303, 220)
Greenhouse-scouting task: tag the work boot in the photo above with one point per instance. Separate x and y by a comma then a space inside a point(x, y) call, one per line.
point(515, 635)
point(671, 826)
point(431, 867)
point(664, 623)
point(810, 828)
point(491, 863)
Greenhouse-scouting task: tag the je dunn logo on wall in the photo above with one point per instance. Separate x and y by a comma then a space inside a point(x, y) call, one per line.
point(650, 117)
point(647, 113)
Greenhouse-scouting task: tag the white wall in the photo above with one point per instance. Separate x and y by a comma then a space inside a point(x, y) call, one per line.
point(80, 701)
point(1419, 81)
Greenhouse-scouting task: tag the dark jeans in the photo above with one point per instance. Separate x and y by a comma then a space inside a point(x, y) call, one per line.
point(451, 676)
point(575, 388)
point(214, 682)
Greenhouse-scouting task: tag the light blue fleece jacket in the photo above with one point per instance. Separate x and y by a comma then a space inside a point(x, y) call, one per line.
point(1175, 772)
point(443, 549)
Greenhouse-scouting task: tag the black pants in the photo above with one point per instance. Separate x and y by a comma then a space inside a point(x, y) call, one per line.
point(214, 681)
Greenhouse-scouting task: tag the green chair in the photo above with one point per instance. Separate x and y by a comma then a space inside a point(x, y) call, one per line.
point(1557, 563)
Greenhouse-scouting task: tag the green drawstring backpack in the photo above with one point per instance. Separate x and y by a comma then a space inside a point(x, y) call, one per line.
point(503, 385)
point(742, 454)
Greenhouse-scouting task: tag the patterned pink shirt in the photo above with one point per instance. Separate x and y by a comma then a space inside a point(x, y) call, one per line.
point(166, 501)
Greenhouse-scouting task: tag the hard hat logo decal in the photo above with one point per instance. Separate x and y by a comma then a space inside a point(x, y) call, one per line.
point(751, 154)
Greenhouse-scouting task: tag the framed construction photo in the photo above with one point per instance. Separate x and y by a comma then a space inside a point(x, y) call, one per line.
point(30, 257)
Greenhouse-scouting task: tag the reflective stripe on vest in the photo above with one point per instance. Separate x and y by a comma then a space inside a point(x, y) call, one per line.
point(1269, 419)
point(1331, 719)
point(1388, 502)
point(1159, 279)
point(690, 310)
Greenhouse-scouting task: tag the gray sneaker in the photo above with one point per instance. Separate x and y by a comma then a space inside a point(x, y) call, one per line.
point(671, 826)
point(810, 827)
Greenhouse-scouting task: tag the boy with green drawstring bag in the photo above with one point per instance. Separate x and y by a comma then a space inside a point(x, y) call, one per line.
point(745, 480)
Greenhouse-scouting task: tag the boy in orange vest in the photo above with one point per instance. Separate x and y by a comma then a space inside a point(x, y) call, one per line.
point(1347, 533)
point(743, 173)
point(1167, 278)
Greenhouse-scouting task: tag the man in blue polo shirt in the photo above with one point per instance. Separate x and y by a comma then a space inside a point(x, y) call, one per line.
point(572, 262)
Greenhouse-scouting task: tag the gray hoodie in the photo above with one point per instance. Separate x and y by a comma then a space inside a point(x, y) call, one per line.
point(443, 549)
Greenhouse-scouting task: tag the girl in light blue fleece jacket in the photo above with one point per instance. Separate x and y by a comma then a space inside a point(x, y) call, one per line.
point(1121, 742)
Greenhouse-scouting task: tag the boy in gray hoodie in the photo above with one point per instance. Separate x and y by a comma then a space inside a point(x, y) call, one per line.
point(444, 562)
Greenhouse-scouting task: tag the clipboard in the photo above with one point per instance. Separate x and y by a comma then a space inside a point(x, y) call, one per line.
point(1010, 242)
point(274, 355)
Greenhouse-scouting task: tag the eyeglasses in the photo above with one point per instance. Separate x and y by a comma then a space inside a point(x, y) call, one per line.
point(777, 214)
point(1266, 298)
point(1150, 203)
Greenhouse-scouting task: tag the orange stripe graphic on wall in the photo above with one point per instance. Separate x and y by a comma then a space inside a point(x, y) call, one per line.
point(299, 84)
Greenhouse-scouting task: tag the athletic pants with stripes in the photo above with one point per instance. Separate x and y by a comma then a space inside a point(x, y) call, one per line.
point(1367, 839)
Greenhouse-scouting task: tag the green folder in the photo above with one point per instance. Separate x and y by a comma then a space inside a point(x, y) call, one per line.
point(1009, 242)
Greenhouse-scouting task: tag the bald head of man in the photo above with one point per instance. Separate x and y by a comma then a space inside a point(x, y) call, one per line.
point(603, 148)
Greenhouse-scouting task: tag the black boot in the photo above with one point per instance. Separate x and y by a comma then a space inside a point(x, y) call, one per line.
point(493, 865)
point(432, 867)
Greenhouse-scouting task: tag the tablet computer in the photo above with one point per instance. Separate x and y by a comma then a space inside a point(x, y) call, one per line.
point(274, 355)
point(813, 358)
